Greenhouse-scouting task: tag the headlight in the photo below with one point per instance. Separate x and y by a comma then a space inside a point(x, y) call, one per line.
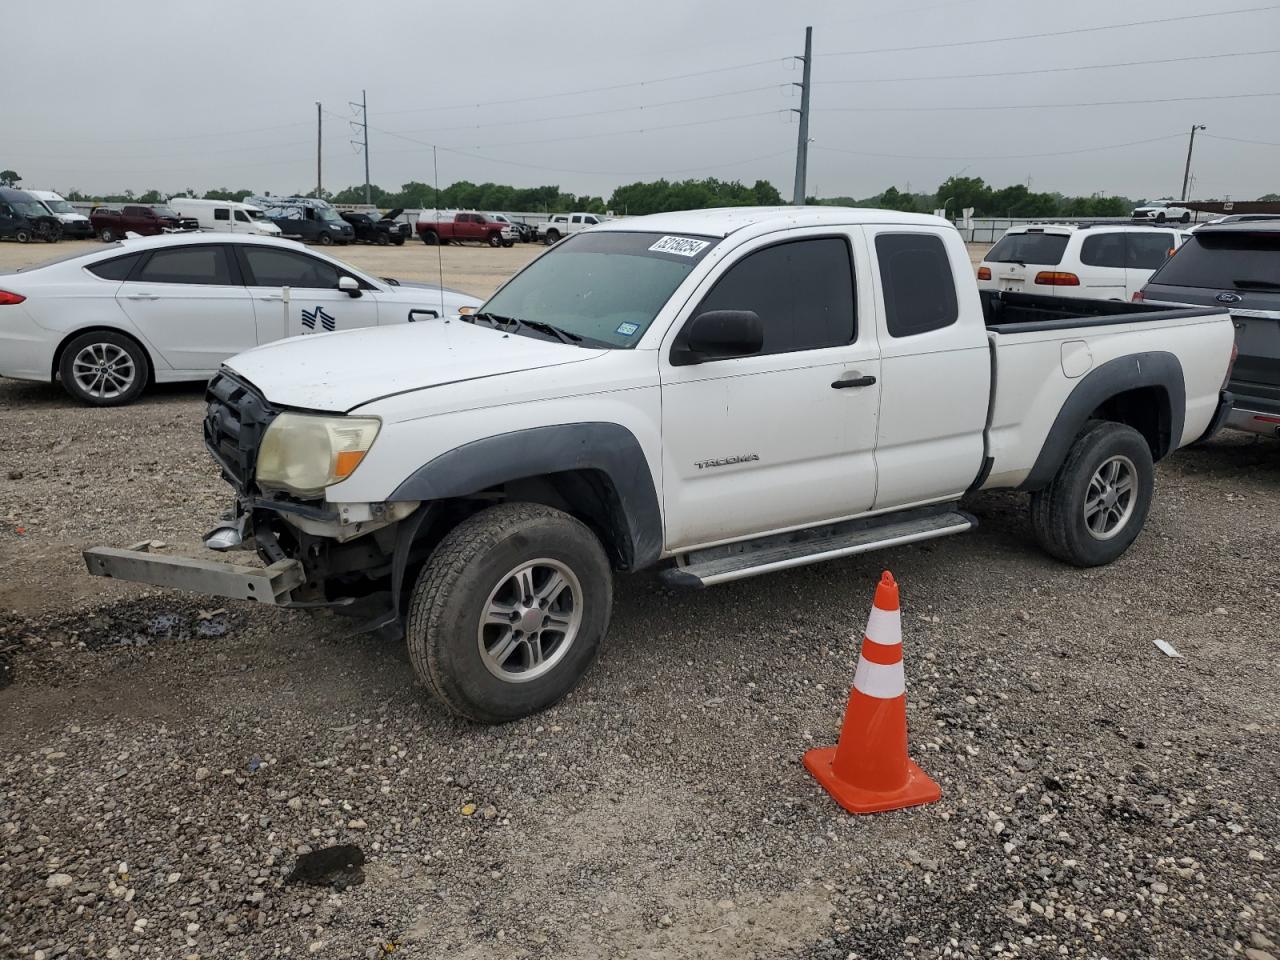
point(303, 454)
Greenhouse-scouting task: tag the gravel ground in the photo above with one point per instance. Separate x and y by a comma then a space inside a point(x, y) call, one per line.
point(165, 760)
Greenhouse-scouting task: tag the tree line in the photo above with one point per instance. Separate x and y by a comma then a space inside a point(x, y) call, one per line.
point(955, 194)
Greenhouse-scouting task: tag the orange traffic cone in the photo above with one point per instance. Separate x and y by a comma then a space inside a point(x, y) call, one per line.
point(869, 770)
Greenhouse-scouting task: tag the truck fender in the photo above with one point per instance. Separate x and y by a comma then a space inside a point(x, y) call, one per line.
point(1121, 375)
point(608, 448)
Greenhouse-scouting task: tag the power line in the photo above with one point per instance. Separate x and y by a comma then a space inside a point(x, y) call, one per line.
point(586, 90)
point(193, 136)
point(1022, 73)
point(1261, 143)
point(1050, 33)
point(1000, 156)
point(589, 136)
point(1051, 106)
point(598, 113)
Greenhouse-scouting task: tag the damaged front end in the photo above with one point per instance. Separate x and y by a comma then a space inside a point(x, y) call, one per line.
point(348, 557)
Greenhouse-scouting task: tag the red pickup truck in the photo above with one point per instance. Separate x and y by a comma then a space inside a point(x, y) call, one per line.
point(466, 226)
point(147, 221)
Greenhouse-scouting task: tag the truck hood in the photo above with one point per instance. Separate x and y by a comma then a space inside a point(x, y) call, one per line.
point(337, 372)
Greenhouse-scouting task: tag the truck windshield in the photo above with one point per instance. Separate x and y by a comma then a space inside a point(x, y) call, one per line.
point(29, 208)
point(1046, 248)
point(603, 287)
point(1227, 260)
point(330, 214)
point(165, 212)
point(59, 206)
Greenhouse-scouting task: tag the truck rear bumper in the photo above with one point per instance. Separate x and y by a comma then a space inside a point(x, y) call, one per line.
point(1265, 422)
point(271, 585)
point(1222, 415)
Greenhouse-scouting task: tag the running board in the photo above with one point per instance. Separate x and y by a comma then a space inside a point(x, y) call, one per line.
point(705, 568)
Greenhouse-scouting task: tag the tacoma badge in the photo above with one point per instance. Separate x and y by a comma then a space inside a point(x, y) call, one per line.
point(726, 461)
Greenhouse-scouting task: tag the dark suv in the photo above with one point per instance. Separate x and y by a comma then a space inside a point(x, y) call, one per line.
point(24, 218)
point(1236, 265)
point(372, 228)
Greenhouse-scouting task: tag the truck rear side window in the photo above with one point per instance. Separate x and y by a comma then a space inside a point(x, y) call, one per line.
point(802, 290)
point(919, 290)
point(1046, 248)
point(1224, 261)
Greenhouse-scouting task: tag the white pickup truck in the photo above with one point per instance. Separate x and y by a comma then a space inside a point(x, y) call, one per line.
point(726, 392)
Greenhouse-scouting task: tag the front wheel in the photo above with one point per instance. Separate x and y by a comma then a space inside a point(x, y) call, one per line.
point(431, 238)
point(1185, 218)
point(325, 240)
point(106, 235)
point(508, 243)
point(509, 611)
point(552, 236)
point(104, 369)
point(1161, 218)
point(495, 240)
point(23, 235)
point(1097, 502)
point(383, 239)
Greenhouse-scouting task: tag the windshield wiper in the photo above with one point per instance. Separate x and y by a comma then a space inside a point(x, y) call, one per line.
point(1256, 284)
point(495, 319)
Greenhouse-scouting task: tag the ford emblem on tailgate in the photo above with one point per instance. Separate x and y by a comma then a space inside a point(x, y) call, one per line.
point(1228, 297)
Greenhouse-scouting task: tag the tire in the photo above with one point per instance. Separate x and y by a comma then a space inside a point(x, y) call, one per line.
point(129, 368)
point(495, 240)
point(431, 238)
point(23, 235)
point(399, 241)
point(325, 240)
point(1058, 512)
point(508, 243)
point(107, 235)
point(552, 236)
point(383, 239)
point(473, 570)
point(1161, 218)
point(1185, 218)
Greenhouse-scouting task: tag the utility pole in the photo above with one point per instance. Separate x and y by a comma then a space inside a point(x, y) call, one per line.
point(319, 140)
point(363, 142)
point(1186, 172)
point(802, 144)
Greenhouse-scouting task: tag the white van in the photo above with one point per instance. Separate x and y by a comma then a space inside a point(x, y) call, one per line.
point(74, 225)
point(225, 216)
point(1088, 261)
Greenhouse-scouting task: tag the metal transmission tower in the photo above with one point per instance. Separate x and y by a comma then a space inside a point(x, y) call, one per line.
point(363, 142)
point(802, 144)
point(319, 141)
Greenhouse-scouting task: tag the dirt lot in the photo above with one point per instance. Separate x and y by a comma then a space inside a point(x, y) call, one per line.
point(163, 760)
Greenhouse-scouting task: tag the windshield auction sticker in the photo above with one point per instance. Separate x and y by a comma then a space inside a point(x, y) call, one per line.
point(680, 246)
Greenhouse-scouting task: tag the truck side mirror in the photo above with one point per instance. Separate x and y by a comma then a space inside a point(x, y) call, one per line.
point(350, 286)
point(719, 335)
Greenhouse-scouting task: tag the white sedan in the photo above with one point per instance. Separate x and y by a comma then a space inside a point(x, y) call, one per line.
point(172, 308)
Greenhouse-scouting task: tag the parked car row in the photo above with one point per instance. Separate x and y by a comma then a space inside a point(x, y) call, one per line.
point(25, 219)
point(173, 307)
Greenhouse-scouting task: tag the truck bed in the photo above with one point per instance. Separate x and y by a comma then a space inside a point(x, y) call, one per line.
point(1006, 312)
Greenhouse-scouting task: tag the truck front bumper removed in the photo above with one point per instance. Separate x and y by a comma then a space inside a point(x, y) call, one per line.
point(273, 585)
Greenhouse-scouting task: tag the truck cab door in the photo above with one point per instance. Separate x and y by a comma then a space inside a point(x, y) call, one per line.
point(784, 438)
point(575, 223)
point(314, 304)
point(936, 365)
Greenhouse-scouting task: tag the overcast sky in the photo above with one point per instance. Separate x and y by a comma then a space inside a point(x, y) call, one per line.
point(156, 93)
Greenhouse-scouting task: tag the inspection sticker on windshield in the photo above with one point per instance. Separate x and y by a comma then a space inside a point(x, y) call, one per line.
point(628, 329)
point(680, 246)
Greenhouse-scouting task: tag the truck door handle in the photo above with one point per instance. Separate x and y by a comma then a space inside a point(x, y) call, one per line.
point(853, 382)
point(271, 296)
point(141, 296)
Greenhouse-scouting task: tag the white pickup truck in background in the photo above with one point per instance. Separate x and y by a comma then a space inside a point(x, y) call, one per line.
point(729, 392)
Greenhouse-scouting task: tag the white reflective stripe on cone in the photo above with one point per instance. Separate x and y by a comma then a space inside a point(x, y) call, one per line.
point(879, 680)
point(884, 626)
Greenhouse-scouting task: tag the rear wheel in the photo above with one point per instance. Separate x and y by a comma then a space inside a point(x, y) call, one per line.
point(104, 369)
point(1161, 218)
point(106, 235)
point(431, 238)
point(1185, 218)
point(509, 611)
point(552, 236)
point(508, 243)
point(1097, 502)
